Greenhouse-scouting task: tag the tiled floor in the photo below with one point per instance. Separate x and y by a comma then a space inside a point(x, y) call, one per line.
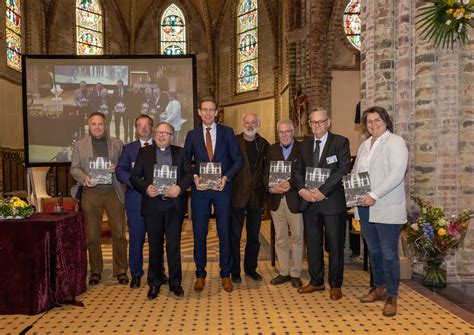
point(253, 308)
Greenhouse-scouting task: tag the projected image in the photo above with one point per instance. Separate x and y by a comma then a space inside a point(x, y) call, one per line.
point(62, 93)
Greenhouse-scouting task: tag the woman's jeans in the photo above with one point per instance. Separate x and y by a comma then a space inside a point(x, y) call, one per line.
point(382, 243)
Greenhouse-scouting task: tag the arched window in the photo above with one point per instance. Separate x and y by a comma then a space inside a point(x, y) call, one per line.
point(351, 21)
point(89, 28)
point(13, 33)
point(247, 46)
point(173, 31)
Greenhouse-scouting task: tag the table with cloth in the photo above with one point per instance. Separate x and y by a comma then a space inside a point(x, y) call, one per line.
point(43, 262)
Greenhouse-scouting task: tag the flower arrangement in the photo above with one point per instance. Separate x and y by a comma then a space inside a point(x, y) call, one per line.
point(444, 21)
point(15, 208)
point(431, 237)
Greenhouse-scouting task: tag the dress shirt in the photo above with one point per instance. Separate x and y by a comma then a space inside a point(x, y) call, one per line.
point(287, 151)
point(142, 143)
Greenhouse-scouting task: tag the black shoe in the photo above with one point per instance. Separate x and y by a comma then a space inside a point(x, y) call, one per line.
point(280, 280)
point(165, 278)
point(135, 283)
point(254, 275)
point(94, 279)
point(122, 279)
point(153, 292)
point(296, 282)
point(177, 290)
point(236, 279)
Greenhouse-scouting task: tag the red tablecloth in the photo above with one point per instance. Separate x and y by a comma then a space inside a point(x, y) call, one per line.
point(43, 262)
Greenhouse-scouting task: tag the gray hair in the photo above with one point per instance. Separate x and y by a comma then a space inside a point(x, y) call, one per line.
point(251, 113)
point(286, 121)
point(167, 123)
point(319, 109)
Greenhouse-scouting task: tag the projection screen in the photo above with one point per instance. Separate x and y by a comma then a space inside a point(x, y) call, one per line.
point(59, 92)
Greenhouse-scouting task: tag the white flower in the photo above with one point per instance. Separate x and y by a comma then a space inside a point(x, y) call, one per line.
point(460, 28)
point(448, 22)
point(414, 226)
point(465, 2)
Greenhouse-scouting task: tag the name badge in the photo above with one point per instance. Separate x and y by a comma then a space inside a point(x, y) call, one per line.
point(332, 159)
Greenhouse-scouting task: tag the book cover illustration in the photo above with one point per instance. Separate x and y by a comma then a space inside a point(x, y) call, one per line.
point(164, 177)
point(279, 171)
point(315, 177)
point(210, 174)
point(99, 170)
point(356, 185)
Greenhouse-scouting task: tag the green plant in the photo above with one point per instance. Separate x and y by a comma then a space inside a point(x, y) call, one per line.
point(14, 208)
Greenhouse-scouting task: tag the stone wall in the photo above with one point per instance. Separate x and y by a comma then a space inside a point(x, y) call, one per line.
point(429, 93)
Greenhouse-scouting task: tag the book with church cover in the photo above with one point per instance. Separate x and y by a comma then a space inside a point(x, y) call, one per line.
point(356, 185)
point(315, 177)
point(99, 170)
point(210, 175)
point(279, 171)
point(164, 177)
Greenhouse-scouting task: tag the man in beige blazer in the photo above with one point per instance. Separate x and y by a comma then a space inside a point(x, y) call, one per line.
point(99, 197)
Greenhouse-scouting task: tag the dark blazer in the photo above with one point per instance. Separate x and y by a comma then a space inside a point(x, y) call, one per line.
point(142, 177)
point(125, 99)
point(337, 146)
point(248, 187)
point(275, 154)
point(226, 150)
point(123, 170)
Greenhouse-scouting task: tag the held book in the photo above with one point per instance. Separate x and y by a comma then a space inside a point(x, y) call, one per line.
point(315, 177)
point(356, 185)
point(279, 171)
point(99, 170)
point(210, 175)
point(164, 177)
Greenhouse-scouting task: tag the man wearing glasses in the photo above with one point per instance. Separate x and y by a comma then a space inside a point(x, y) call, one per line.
point(284, 204)
point(324, 208)
point(211, 142)
point(163, 213)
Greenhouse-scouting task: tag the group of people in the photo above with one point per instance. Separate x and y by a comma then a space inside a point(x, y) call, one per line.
point(316, 215)
point(125, 105)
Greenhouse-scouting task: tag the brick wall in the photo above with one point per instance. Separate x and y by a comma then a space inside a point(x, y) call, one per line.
point(428, 92)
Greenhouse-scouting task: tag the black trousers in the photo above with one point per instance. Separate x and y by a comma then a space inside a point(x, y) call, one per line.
point(253, 220)
point(333, 228)
point(165, 222)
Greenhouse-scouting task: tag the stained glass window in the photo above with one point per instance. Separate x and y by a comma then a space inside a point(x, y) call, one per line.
point(13, 33)
point(89, 28)
point(173, 31)
point(352, 23)
point(247, 46)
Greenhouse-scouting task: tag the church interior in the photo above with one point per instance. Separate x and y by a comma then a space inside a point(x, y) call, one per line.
point(280, 59)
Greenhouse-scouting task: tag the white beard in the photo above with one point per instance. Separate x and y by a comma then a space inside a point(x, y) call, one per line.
point(250, 133)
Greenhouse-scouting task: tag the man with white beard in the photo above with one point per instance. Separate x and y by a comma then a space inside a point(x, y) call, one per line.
point(247, 198)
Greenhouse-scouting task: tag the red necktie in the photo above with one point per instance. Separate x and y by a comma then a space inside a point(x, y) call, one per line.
point(146, 144)
point(209, 143)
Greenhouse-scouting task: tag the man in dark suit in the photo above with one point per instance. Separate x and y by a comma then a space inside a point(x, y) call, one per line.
point(136, 223)
point(210, 142)
point(163, 213)
point(122, 112)
point(284, 204)
point(247, 198)
point(324, 208)
point(160, 101)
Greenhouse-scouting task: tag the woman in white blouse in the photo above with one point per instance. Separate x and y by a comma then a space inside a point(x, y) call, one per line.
point(382, 213)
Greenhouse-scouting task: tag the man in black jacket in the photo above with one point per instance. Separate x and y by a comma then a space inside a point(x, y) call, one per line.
point(284, 203)
point(324, 208)
point(247, 198)
point(163, 213)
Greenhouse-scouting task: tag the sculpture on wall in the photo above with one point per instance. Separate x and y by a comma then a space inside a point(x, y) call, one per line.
point(299, 111)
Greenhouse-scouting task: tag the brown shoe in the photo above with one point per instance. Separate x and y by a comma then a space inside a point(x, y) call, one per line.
point(375, 293)
point(390, 308)
point(335, 293)
point(122, 278)
point(227, 284)
point(310, 289)
point(199, 284)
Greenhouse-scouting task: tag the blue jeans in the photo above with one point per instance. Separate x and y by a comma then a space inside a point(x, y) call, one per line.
point(382, 243)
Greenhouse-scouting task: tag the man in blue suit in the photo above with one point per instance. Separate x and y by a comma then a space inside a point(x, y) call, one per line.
point(136, 224)
point(211, 142)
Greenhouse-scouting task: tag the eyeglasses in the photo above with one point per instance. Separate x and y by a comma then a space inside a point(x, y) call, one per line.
point(374, 121)
point(318, 123)
point(163, 133)
point(207, 110)
point(285, 132)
